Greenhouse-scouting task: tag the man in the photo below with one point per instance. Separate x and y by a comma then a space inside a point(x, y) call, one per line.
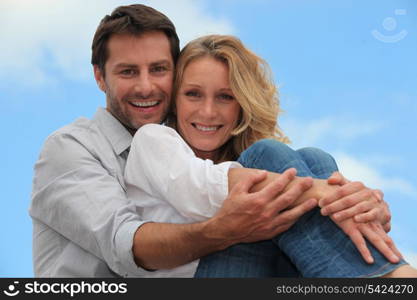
point(84, 225)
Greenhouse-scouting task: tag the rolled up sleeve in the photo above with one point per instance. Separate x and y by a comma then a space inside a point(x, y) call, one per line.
point(77, 196)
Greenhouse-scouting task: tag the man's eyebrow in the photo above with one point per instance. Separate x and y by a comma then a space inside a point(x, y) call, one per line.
point(161, 62)
point(125, 65)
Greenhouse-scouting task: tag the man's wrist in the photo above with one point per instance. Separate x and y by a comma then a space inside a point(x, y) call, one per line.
point(216, 237)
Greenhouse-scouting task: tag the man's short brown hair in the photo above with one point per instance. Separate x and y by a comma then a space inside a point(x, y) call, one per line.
point(133, 19)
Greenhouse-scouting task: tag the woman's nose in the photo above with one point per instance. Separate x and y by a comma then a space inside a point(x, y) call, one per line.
point(208, 109)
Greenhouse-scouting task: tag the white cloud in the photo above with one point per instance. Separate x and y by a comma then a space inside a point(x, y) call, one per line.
point(341, 129)
point(45, 38)
point(191, 19)
point(360, 169)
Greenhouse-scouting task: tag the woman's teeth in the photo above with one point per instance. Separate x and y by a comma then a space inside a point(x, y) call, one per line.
point(206, 128)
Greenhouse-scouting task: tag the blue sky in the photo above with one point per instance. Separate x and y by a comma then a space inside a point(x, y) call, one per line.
point(347, 72)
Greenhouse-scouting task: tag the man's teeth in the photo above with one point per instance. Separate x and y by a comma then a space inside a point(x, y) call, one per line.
point(206, 128)
point(144, 104)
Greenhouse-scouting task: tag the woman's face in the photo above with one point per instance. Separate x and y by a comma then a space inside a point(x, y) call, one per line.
point(206, 108)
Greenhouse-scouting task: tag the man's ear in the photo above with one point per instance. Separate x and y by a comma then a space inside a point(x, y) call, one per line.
point(99, 76)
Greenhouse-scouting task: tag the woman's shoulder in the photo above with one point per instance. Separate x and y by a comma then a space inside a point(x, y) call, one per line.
point(148, 129)
point(154, 131)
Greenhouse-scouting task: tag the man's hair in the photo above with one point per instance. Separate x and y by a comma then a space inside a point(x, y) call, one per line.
point(133, 19)
point(251, 84)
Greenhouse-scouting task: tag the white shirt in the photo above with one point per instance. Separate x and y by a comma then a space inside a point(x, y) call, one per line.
point(171, 184)
point(83, 222)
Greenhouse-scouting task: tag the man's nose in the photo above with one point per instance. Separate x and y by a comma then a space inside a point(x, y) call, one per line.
point(143, 85)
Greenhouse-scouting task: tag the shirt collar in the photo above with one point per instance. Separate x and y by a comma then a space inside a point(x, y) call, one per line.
point(115, 132)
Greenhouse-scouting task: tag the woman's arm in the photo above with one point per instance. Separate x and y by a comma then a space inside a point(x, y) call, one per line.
point(176, 176)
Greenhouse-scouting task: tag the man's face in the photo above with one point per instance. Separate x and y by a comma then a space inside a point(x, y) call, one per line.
point(138, 78)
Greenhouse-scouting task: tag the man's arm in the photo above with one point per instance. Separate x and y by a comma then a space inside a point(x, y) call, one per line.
point(77, 197)
point(245, 216)
point(164, 176)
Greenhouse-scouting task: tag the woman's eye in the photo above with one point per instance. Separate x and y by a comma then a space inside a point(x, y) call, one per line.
point(192, 94)
point(226, 97)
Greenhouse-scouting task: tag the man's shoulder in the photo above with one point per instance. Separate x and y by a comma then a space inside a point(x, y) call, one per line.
point(81, 126)
point(83, 132)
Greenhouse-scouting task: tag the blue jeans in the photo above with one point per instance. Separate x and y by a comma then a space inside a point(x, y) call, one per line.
point(313, 247)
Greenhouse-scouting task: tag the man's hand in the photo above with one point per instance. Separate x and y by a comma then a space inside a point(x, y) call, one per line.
point(253, 216)
point(353, 199)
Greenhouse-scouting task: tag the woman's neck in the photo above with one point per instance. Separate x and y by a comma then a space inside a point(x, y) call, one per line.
point(212, 155)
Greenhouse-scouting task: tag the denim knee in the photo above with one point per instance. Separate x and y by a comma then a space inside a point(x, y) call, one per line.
point(312, 153)
point(321, 163)
point(274, 156)
point(266, 150)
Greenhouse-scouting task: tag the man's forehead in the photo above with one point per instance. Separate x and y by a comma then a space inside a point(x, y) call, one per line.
point(149, 47)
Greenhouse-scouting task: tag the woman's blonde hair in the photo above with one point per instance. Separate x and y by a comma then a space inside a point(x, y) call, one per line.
point(251, 84)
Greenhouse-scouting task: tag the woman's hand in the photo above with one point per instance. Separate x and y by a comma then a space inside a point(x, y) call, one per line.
point(354, 199)
point(375, 234)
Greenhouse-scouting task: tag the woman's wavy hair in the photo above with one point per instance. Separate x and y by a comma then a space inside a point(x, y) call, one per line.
point(251, 83)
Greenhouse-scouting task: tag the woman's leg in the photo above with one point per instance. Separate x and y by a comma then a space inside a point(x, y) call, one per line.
point(314, 244)
point(255, 260)
point(264, 259)
point(320, 163)
point(261, 259)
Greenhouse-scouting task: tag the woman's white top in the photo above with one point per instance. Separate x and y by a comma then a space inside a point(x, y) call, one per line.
point(171, 184)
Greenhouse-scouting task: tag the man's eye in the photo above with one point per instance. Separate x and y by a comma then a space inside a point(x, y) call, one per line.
point(128, 72)
point(158, 69)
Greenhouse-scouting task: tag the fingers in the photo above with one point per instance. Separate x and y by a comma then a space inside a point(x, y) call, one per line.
point(249, 181)
point(376, 227)
point(278, 185)
point(364, 210)
point(286, 200)
point(287, 218)
point(380, 230)
point(281, 222)
point(358, 240)
point(337, 179)
point(284, 220)
point(373, 211)
point(386, 216)
point(381, 241)
point(379, 195)
point(387, 227)
point(344, 197)
point(373, 214)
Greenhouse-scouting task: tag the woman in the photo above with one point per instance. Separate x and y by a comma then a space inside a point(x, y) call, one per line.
point(225, 104)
